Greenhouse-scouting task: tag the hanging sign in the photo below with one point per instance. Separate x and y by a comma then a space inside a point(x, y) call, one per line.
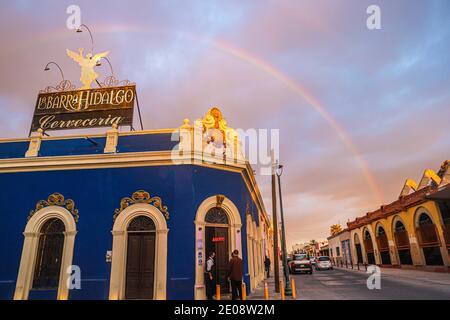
point(84, 108)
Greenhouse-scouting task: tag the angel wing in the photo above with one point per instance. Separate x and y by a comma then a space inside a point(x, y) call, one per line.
point(98, 56)
point(75, 56)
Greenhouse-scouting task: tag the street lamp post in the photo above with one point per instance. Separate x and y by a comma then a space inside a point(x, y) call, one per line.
point(287, 287)
point(276, 268)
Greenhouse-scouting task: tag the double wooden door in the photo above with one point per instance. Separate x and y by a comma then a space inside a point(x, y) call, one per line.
point(140, 265)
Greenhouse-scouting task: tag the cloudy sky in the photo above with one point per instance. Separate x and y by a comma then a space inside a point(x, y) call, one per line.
point(358, 110)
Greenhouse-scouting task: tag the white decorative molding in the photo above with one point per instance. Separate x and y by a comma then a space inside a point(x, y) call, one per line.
point(30, 246)
point(211, 137)
point(35, 144)
point(235, 225)
point(119, 250)
point(112, 139)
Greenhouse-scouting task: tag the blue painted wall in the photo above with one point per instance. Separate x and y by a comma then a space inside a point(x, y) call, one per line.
point(97, 192)
point(93, 145)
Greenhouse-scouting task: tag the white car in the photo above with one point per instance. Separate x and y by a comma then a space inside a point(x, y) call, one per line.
point(323, 263)
point(300, 263)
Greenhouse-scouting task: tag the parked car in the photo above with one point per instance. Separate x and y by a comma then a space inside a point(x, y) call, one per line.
point(300, 263)
point(324, 263)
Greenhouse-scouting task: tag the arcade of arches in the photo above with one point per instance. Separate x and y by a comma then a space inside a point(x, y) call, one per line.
point(413, 231)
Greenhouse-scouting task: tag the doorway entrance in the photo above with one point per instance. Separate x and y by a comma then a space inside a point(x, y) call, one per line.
point(217, 240)
point(140, 267)
point(383, 246)
point(359, 255)
point(402, 242)
point(368, 244)
point(429, 240)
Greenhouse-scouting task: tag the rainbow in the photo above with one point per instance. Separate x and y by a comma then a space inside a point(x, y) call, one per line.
point(263, 66)
point(311, 100)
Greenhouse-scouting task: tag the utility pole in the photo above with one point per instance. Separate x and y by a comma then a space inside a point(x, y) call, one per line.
point(276, 266)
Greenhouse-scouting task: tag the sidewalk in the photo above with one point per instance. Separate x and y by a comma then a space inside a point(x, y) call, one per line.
point(408, 274)
point(258, 293)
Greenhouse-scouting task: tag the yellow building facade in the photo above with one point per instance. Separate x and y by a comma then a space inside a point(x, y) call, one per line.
point(412, 231)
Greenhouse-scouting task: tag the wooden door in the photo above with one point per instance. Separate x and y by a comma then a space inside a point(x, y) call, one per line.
point(140, 265)
point(217, 241)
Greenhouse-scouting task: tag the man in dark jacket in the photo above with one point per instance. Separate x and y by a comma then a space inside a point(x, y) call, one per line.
point(235, 271)
point(267, 266)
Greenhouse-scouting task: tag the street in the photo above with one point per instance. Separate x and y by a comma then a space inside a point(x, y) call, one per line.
point(347, 284)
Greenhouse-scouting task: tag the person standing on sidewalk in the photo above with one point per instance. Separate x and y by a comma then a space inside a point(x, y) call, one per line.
point(235, 271)
point(267, 266)
point(210, 276)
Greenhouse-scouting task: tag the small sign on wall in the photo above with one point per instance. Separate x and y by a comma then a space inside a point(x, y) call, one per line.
point(199, 239)
point(218, 239)
point(108, 256)
point(200, 258)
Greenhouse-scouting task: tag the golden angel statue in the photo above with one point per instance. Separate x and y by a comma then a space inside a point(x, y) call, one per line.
point(87, 65)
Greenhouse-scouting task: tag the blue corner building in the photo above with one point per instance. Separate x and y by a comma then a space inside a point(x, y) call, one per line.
point(127, 215)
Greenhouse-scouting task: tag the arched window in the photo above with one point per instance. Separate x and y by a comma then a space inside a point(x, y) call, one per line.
point(429, 240)
point(141, 223)
point(399, 226)
point(383, 245)
point(49, 255)
point(358, 249)
point(402, 242)
point(369, 247)
point(425, 219)
point(216, 215)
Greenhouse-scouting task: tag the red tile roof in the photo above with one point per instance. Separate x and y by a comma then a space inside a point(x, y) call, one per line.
point(401, 204)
